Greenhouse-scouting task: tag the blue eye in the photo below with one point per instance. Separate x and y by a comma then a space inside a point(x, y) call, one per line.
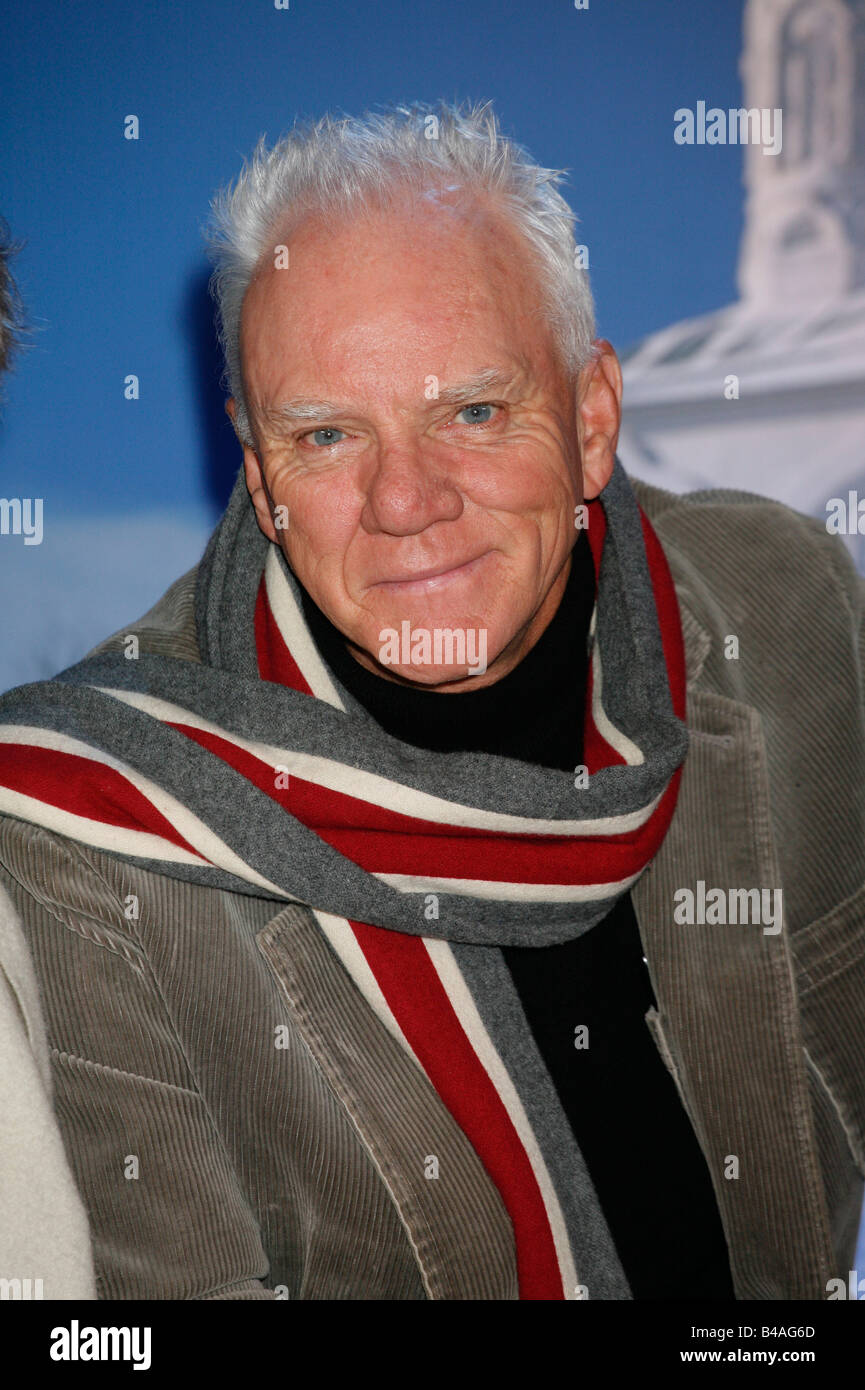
point(328, 431)
point(477, 419)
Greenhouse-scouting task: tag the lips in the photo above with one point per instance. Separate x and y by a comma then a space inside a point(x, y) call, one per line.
point(417, 575)
point(444, 573)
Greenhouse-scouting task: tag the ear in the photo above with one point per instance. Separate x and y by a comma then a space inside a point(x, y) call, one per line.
point(255, 480)
point(600, 414)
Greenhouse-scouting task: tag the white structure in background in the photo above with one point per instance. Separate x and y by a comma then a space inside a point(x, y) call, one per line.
point(796, 338)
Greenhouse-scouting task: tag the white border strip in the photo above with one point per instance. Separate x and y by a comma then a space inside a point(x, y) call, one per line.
point(295, 633)
point(94, 833)
point(340, 934)
point(620, 742)
point(509, 892)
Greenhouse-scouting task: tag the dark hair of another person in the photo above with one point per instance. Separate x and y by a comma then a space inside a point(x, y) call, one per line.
point(12, 321)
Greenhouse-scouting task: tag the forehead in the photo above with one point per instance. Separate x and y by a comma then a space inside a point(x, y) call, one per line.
point(419, 279)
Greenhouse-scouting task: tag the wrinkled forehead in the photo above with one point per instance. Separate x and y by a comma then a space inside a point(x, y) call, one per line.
point(429, 273)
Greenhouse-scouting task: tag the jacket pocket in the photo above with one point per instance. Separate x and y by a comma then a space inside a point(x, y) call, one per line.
point(830, 964)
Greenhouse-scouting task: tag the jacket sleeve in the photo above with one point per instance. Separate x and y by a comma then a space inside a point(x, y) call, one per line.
point(167, 1214)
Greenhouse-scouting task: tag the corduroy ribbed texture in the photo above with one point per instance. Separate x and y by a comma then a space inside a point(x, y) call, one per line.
point(163, 1034)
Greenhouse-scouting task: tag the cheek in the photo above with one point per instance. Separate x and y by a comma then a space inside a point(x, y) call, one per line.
point(531, 523)
point(321, 524)
point(526, 483)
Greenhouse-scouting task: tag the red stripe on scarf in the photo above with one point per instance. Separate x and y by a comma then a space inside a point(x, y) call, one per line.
point(275, 661)
point(419, 1003)
point(387, 842)
point(84, 787)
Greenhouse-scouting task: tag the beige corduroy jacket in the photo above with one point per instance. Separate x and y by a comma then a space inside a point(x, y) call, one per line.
point(215, 1164)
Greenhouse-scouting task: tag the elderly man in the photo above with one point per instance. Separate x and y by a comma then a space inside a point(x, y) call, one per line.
point(453, 888)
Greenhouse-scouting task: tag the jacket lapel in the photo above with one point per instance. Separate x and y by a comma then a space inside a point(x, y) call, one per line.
point(727, 1020)
point(457, 1224)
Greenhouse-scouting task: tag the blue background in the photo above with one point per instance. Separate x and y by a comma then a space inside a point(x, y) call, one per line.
point(114, 272)
point(114, 275)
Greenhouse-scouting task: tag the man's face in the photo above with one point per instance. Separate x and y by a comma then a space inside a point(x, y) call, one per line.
point(415, 495)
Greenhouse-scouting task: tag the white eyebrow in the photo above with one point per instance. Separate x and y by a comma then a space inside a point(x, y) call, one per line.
point(491, 379)
point(300, 408)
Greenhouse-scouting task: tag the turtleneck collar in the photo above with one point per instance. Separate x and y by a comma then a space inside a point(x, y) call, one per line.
point(533, 714)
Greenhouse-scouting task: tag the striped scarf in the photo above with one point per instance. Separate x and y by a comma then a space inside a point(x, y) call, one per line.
point(254, 770)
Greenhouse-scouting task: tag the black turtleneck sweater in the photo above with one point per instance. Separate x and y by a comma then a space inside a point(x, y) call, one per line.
point(621, 1102)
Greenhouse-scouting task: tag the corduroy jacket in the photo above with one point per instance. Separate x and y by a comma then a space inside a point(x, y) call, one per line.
point(240, 1123)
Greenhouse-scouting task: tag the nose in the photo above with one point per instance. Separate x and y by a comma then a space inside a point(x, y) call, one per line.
point(406, 492)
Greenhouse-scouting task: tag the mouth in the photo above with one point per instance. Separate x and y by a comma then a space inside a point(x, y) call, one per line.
point(429, 580)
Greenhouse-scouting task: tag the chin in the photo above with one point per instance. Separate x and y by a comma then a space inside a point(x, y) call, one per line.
point(439, 678)
point(430, 649)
